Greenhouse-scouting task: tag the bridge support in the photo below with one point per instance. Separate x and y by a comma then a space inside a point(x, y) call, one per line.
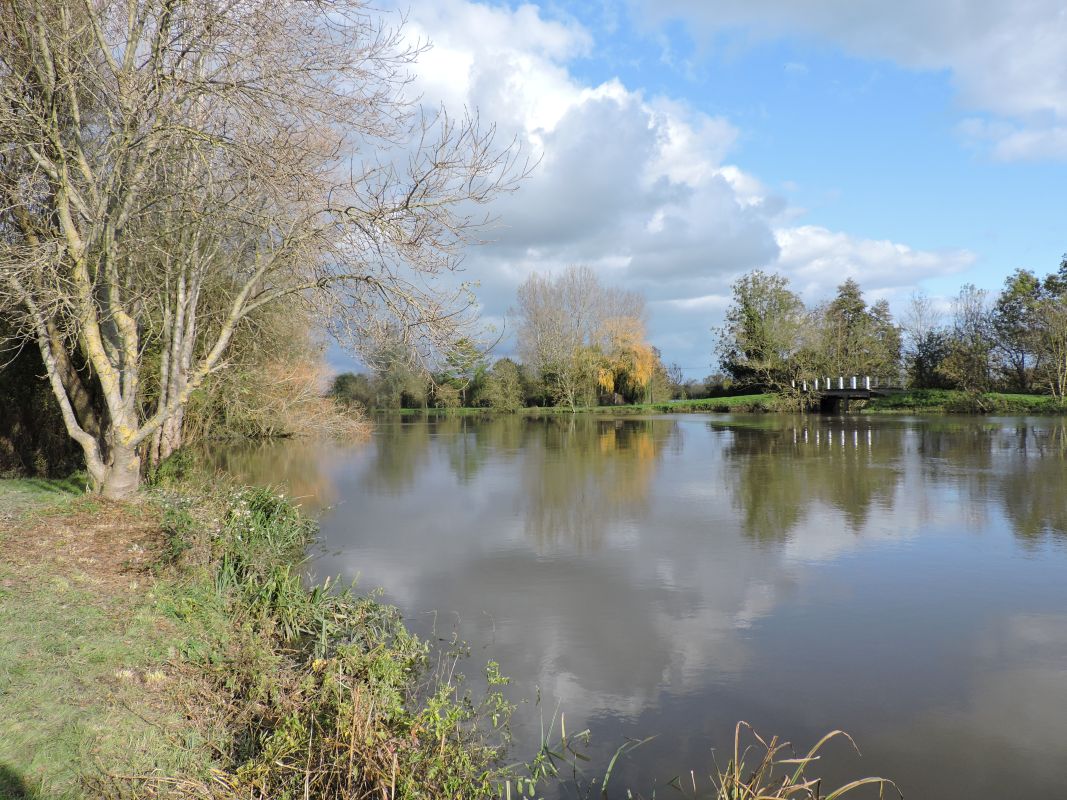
point(834, 404)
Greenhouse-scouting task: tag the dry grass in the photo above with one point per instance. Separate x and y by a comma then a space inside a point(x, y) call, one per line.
point(762, 769)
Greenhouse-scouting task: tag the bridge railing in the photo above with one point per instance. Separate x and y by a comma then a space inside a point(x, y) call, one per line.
point(843, 383)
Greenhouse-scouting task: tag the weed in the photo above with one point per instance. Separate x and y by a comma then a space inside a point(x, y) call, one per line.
point(776, 774)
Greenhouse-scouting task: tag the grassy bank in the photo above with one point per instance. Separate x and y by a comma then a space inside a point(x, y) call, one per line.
point(916, 401)
point(170, 648)
point(738, 404)
point(85, 650)
point(949, 401)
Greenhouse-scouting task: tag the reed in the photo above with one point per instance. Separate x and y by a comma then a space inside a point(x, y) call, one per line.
point(766, 769)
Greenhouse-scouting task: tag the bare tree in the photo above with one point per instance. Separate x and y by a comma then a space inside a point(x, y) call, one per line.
point(561, 318)
point(967, 362)
point(170, 167)
point(921, 318)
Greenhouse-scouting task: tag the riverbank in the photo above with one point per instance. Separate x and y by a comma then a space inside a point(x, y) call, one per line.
point(951, 401)
point(747, 403)
point(914, 401)
point(169, 648)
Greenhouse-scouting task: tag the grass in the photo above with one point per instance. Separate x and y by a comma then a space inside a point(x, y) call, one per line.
point(951, 401)
point(21, 496)
point(761, 769)
point(83, 651)
point(171, 648)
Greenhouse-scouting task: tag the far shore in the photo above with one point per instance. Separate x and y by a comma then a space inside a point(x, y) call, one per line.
point(914, 401)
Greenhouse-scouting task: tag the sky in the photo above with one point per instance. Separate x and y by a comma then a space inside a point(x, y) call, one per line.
point(912, 145)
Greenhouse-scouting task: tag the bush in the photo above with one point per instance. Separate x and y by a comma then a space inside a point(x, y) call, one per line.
point(327, 694)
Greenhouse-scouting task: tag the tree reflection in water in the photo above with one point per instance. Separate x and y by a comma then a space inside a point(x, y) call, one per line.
point(301, 468)
point(581, 475)
point(781, 467)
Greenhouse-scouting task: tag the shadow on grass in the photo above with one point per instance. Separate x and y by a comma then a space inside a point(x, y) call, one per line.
point(12, 787)
point(49, 488)
point(72, 484)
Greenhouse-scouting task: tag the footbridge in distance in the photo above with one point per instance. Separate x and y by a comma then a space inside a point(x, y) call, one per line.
point(835, 394)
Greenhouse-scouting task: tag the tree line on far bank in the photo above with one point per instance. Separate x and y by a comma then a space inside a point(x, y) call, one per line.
point(1011, 341)
point(582, 343)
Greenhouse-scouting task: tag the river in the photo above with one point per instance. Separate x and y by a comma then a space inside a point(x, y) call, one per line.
point(901, 578)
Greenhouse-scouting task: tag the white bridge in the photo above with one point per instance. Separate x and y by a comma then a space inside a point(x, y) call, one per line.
point(833, 393)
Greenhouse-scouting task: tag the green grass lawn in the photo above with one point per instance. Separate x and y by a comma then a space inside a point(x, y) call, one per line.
point(85, 681)
point(23, 496)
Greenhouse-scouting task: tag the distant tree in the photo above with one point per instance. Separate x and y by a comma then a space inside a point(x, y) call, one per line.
point(1014, 327)
point(398, 381)
point(676, 378)
point(924, 359)
point(562, 327)
point(886, 351)
point(925, 343)
point(445, 395)
point(763, 331)
point(1050, 331)
point(849, 338)
point(714, 385)
point(661, 386)
point(502, 389)
point(464, 369)
point(353, 389)
point(845, 325)
point(627, 363)
point(968, 361)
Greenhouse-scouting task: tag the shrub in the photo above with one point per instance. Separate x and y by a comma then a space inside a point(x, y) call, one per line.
point(329, 695)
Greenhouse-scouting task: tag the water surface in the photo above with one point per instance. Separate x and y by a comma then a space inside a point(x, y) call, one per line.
point(904, 579)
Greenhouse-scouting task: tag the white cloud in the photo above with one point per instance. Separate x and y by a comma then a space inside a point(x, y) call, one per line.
point(639, 188)
point(1005, 58)
point(817, 260)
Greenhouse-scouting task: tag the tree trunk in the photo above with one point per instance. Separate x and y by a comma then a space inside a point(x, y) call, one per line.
point(171, 434)
point(120, 477)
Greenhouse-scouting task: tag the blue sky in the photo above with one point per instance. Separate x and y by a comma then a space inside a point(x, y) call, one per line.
point(912, 145)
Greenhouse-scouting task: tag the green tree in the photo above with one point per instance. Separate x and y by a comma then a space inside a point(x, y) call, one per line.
point(925, 356)
point(353, 389)
point(1050, 331)
point(398, 382)
point(851, 338)
point(925, 343)
point(502, 389)
point(1013, 325)
point(763, 332)
point(887, 344)
point(464, 370)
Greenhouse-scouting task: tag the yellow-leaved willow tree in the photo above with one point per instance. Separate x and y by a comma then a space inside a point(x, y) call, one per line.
point(628, 362)
point(170, 167)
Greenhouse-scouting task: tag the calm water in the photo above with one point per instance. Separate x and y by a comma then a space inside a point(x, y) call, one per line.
point(904, 579)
